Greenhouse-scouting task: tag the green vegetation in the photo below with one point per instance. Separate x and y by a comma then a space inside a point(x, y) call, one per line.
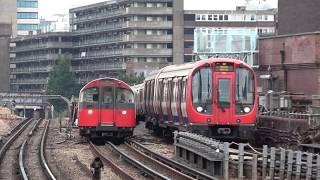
point(132, 79)
point(62, 82)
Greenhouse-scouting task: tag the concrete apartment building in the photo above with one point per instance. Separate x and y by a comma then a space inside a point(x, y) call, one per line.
point(225, 33)
point(5, 33)
point(35, 56)
point(118, 35)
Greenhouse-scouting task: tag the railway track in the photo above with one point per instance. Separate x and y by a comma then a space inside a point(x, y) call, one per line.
point(31, 162)
point(169, 162)
point(150, 166)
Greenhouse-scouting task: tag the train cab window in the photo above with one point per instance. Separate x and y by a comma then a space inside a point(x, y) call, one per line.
point(224, 92)
point(89, 95)
point(107, 95)
point(244, 90)
point(202, 90)
point(124, 96)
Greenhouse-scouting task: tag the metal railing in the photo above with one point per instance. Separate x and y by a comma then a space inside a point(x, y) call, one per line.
point(96, 67)
point(104, 15)
point(30, 81)
point(32, 69)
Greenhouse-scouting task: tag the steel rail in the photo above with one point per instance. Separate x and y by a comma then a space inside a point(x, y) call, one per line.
point(159, 163)
point(22, 151)
point(122, 173)
point(16, 134)
point(43, 160)
point(21, 165)
point(138, 164)
point(174, 164)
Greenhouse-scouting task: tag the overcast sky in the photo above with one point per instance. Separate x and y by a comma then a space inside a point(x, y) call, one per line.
point(49, 7)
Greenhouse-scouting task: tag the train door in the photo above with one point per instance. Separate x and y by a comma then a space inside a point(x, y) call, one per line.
point(224, 94)
point(107, 106)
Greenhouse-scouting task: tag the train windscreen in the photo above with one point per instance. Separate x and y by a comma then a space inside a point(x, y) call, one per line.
point(202, 90)
point(244, 90)
point(124, 96)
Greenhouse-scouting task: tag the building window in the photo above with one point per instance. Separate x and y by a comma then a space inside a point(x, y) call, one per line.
point(27, 4)
point(203, 17)
point(266, 18)
point(210, 17)
point(215, 17)
point(252, 18)
point(27, 27)
point(226, 17)
point(220, 17)
point(198, 17)
point(27, 15)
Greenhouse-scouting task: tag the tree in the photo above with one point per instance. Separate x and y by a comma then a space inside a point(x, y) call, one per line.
point(62, 82)
point(132, 79)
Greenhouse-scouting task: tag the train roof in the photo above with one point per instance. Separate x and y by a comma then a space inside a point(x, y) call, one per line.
point(184, 69)
point(106, 81)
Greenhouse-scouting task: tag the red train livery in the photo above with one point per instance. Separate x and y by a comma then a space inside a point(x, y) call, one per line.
point(106, 109)
point(214, 97)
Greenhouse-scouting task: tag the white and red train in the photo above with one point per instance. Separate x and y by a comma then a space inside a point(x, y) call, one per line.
point(106, 109)
point(214, 97)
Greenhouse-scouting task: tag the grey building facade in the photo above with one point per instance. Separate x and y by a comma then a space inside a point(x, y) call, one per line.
point(115, 36)
point(5, 33)
point(298, 16)
point(34, 59)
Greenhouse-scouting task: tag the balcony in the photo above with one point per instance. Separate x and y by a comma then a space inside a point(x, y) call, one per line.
point(38, 46)
point(96, 42)
point(149, 24)
point(125, 25)
point(125, 52)
point(109, 27)
point(149, 38)
point(30, 81)
point(31, 70)
point(99, 16)
point(99, 67)
point(99, 54)
point(147, 52)
point(35, 58)
point(149, 10)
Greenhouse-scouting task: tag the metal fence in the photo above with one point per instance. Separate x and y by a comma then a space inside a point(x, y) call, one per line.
point(244, 162)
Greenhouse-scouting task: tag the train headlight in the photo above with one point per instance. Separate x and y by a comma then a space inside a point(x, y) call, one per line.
point(124, 112)
point(199, 109)
point(246, 109)
point(90, 111)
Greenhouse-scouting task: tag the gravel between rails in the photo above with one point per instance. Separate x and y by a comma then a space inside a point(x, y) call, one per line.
point(32, 158)
point(71, 158)
point(9, 167)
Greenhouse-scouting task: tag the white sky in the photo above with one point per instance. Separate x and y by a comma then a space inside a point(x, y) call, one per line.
point(49, 7)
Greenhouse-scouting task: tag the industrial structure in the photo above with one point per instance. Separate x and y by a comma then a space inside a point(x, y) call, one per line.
point(226, 33)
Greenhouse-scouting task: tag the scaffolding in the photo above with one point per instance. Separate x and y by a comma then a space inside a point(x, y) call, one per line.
point(240, 43)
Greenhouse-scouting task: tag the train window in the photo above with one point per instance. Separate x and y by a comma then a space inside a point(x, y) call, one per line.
point(244, 86)
point(124, 95)
point(202, 90)
point(90, 95)
point(184, 90)
point(224, 92)
point(107, 95)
